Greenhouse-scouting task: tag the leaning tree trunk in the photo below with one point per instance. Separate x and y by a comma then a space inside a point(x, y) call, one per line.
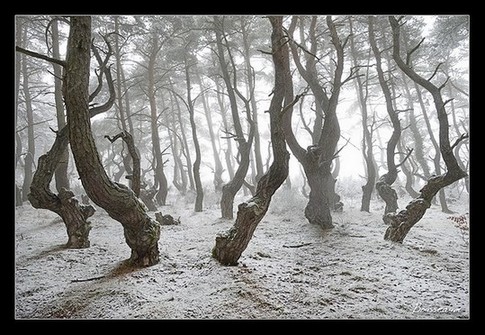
point(135, 158)
point(141, 232)
point(64, 204)
point(436, 145)
point(230, 245)
point(401, 223)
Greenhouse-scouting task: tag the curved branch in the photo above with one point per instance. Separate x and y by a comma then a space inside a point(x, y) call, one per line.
point(405, 158)
point(112, 95)
point(408, 56)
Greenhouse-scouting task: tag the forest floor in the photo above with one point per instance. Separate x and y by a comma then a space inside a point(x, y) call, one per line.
point(290, 270)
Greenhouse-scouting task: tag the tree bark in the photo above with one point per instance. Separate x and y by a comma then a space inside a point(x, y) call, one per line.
point(141, 232)
point(230, 245)
point(462, 165)
point(64, 204)
point(401, 223)
point(436, 145)
point(317, 159)
point(135, 158)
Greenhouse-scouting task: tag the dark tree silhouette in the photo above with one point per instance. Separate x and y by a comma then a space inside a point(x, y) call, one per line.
point(141, 232)
point(317, 158)
point(64, 203)
point(401, 223)
point(230, 245)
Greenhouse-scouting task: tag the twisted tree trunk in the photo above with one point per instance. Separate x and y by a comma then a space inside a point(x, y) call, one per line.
point(230, 245)
point(141, 232)
point(401, 223)
point(317, 159)
point(135, 158)
point(64, 204)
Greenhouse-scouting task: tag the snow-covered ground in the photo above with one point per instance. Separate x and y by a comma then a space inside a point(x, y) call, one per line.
point(290, 270)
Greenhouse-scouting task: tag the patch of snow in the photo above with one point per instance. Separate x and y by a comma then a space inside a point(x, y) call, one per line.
point(290, 270)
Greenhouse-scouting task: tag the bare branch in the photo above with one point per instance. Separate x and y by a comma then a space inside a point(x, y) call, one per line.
point(408, 56)
point(449, 100)
point(459, 139)
point(434, 72)
point(33, 124)
point(335, 155)
point(265, 52)
point(444, 84)
point(87, 279)
point(40, 56)
point(114, 138)
point(300, 46)
point(405, 158)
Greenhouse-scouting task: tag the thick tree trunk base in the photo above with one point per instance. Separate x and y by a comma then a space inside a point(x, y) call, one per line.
point(319, 214)
point(75, 218)
point(401, 223)
point(143, 241)
point(72, 213)
point(230, 245)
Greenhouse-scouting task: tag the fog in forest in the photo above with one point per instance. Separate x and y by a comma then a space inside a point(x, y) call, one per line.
point(225, 146)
